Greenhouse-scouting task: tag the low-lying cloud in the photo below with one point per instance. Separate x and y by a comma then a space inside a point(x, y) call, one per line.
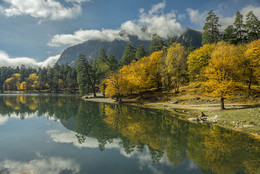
point(6, 60)
point(148, 23)
point(42, 9)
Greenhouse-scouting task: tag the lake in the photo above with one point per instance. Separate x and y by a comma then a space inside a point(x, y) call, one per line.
point(62, 134)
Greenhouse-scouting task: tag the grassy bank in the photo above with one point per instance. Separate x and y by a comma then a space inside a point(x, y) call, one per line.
point(242, 112)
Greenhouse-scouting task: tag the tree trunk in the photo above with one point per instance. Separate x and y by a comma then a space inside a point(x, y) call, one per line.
point(222, 103)
point(94, 91)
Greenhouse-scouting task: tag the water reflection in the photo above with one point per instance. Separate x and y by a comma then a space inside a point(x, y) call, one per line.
point(153, 137)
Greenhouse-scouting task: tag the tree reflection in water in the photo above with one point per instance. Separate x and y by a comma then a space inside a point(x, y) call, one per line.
point(214, 149)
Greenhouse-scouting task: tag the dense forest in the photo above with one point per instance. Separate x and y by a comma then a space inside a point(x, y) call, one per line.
point(228, 63)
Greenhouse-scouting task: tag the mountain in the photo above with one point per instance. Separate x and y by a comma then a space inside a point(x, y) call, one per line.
point(91, 48)
point(190, 38)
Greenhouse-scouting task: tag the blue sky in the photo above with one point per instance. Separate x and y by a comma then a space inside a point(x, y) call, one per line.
point(35, 32)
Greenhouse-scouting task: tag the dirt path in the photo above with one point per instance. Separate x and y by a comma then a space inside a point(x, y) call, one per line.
point(202, 107)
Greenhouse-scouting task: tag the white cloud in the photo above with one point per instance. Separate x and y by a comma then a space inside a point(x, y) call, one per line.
point(154, 21)
point(47, 165)
point(69, 137)
point(144, 158)
point(42, 9)
point(6, 60)
point(85, 35)
point(196, 17)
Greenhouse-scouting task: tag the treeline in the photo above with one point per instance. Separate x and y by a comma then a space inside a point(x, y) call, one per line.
point(222, 67)
point(56, 78)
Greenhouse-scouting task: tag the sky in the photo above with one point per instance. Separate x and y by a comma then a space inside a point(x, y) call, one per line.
point(35, 32)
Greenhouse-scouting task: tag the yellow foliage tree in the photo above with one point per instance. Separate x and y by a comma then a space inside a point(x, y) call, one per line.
point(176, 62)
point(115, 85)
point(13, 83)
point(23, 86)
point(31, 81)
point(61, 84)
point(221, 72)
point(135, 78)
point(198, 60)
point(251, 63)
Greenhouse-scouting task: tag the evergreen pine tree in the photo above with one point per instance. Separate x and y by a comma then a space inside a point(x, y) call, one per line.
point(85, 76)
point(140, 52)
point(128, 55)
point(252, 27)
point(239, 30)
point(112, 62)
point(156, 44)
point(211, 32)
point(229, 35)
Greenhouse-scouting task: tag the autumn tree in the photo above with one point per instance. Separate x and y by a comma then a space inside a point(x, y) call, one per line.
point(176, 62)
point(251, 63)
point(13, 83)
point(197, 61)
point(211, 32)
point(136, 77)
point(31, 81)
point(23, 86)
point(115, 85)
point(221, 72)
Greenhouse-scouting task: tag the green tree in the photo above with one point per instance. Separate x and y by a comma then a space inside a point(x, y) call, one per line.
point(140, 52)
point(128, 55)
point(85, 76)
point(252, 27)
point(211, 32)
point(239, 28)
point(229, 35)
point(156, 44)
point(112, 63)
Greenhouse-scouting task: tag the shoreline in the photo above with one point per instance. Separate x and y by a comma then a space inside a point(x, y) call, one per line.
point(228, 118)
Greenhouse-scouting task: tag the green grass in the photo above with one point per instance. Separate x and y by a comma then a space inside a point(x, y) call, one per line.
point(243, 119)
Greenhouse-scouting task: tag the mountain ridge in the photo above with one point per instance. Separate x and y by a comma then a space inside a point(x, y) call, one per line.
point(116, 47)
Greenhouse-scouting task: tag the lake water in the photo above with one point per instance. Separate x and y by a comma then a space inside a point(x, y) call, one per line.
point(62, 134)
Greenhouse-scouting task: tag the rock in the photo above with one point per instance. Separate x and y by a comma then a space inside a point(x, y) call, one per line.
point(212, 121)
point(247, 125)
point(255, 96)
point(193, 119)
point(197, 98)
point(175, 102)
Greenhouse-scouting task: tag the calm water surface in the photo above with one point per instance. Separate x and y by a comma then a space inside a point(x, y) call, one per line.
point(55, 134)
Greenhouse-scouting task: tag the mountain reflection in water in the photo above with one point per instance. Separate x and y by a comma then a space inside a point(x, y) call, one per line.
point(158, 141)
